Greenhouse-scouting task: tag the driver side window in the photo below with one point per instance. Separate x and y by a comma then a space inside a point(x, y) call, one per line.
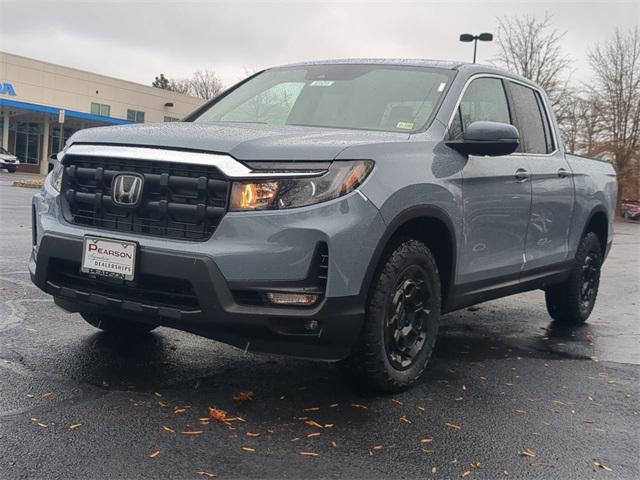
point(484, 99)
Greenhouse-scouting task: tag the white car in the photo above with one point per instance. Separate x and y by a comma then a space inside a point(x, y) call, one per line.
point(8, 161)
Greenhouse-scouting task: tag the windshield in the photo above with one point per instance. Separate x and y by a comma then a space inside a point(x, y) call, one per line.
point(369, 97)
point(3, 151)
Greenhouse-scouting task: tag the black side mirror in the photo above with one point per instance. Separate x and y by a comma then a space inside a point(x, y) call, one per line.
point(487, 138)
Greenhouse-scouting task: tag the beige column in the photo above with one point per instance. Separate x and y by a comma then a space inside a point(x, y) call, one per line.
point(5, 129)
point(44, 161)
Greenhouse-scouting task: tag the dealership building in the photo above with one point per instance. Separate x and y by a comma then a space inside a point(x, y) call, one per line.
point(43, 104)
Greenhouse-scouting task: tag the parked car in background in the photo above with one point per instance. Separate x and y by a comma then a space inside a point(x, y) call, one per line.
point(630, 209)
point(8, 161)
point(329, 210)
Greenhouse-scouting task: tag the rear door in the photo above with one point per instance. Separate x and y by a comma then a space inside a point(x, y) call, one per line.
point(551, 181)
point(496, 195)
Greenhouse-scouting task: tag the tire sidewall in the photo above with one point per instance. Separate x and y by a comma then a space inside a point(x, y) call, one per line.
point(385, 287)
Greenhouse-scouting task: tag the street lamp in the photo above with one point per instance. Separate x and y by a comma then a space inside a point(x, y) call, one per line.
point(483, 37)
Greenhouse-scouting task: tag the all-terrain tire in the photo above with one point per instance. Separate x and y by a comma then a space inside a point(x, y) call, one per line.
point(374, 362)
point(119, 326)
point(571, 302)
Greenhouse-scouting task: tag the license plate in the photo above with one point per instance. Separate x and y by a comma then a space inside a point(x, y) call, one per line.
point(109, 257)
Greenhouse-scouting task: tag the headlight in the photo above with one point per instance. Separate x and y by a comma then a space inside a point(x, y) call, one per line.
point(55, 176)
point(340, 179)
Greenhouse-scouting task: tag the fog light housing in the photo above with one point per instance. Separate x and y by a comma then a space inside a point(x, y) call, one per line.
point(295, 299)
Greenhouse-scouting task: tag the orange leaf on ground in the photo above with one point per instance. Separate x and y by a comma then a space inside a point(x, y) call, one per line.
point(466, 474)
point(202, 473)
point(309, 454)
point(248, 449)
point(217, 414)
point(405, 419)
point(154, 454)
point(357, 405)
point(311, 435)
point(74, 426)
point(397, 401)
point(602, 466)
point(243, 397)
point(313, 423)
point(426, 440)
point(252, 434)
point(334, 444)
point(168, 429)
point(453, 425)
point(527, 453)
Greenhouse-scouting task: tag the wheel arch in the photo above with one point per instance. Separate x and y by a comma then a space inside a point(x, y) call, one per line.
point(598, 223)
point(429, 224)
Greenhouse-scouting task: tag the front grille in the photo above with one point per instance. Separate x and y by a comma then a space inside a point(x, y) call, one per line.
point(180, 201)
point(146, 289)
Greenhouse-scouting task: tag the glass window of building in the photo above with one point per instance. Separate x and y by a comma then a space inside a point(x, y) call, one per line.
point(27, 141)
point(171, 119)
point(100, 109)
point(135, 116)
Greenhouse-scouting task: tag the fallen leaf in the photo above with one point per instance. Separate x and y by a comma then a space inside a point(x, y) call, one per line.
point(312, 409)
point(252, 434)
point(316, 434)
point(357, 405)
point(328, 425)
point(309, 454)
point(74, 426)
point(397, 401)
point(453, 425)
point(378, 447)
point(405, 419)
point(602, 466)
point(47, 394)
point(334, 405)
point(297, 439)
point(217, 414)
point(248, 449)
point(522, 412)
point(157, 394)
point(334, 444)
point(179, 410)
point(168, 429)
point(475, 465)
point(243, 397)
point(154, 454)
point(466, 474)
point(43, 425)
point(527, 453)
point(313, 423)
point(422, 409)
point(192, 432)
point(434, 470)
point(202, 473)
point(426, 440)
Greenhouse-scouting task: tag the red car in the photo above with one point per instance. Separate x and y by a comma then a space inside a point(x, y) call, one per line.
point(630, 209)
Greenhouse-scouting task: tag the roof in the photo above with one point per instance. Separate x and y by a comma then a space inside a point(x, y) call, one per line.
point(413, 62)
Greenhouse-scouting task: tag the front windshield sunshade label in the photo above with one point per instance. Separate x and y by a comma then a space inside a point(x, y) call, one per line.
point(321, 83)
point(405, 125)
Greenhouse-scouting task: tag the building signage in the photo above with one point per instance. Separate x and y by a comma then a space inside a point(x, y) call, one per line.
point(7, 89)
point(61, 116)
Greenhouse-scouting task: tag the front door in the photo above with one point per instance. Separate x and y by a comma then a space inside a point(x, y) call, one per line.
point(496, 194)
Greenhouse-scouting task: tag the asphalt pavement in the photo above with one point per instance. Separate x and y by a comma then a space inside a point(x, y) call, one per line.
point(509, 394)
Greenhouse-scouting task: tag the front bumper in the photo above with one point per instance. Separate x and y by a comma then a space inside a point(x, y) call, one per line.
point(270, 251)
point(213, 313)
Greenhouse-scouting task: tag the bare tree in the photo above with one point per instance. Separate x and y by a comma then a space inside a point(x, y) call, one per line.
point(532, 48)
point(205, 84)
point(616, 68)
point(182, 86)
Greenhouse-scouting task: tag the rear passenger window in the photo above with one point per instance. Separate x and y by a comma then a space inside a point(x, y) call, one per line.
point(484, 100)
point(530, 123)
point(545, 123)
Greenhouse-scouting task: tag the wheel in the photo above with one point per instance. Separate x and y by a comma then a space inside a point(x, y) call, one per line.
point(11, 169)
point(571, 302)
point(117, 325)
point(401, 324)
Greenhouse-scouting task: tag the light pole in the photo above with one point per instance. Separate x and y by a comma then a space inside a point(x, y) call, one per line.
point(483, 37)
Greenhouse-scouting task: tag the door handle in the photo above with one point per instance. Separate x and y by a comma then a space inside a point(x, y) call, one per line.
point(562, 173)
point(522, 175)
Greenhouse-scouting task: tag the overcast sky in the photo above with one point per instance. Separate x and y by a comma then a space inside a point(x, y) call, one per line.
point(137, 39)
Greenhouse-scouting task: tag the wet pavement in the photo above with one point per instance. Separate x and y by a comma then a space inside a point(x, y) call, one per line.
point(509, 394)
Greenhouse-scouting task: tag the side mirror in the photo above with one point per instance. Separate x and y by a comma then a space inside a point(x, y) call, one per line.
point(487, 138)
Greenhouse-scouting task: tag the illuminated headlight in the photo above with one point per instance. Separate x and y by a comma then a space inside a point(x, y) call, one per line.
point(340, 179)
point(55, 176)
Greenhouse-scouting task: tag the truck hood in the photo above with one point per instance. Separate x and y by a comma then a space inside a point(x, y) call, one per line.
point(242, 141)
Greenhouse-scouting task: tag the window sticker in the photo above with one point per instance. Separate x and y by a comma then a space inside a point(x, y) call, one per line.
point(441, 86)
point(321, 83)
point(405, 125)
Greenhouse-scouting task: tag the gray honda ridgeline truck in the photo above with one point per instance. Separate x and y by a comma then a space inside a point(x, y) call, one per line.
point(330, 210)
